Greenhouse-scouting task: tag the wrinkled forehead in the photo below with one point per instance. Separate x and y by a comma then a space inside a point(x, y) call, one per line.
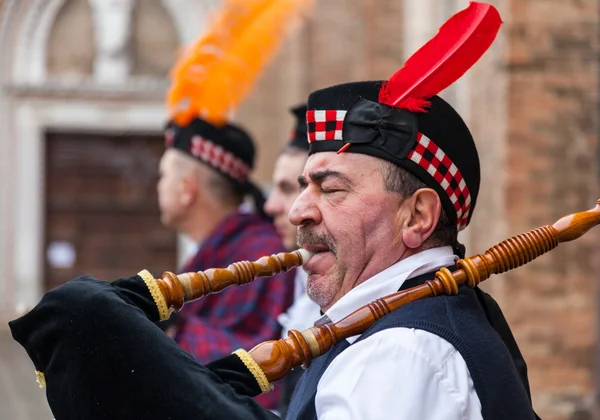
point(352, 165)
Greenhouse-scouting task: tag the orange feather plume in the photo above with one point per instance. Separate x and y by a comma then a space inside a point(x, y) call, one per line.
point(216, 73)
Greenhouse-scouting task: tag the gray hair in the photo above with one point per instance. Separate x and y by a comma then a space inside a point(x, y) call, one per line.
point(405, 184)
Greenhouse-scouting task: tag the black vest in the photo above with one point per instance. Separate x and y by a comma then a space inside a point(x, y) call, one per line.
point(463, 322)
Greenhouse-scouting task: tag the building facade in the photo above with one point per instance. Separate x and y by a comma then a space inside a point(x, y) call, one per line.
point(84, 81)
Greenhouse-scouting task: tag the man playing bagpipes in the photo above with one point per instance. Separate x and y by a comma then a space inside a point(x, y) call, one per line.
point(392, 176)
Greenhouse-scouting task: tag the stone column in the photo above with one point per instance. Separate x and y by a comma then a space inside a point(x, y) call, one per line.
point(112, 34)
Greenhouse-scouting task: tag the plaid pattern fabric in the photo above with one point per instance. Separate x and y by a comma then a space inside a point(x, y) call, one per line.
point(430, 157)
point(219, 158)
point(324, 124)
point(238, 317)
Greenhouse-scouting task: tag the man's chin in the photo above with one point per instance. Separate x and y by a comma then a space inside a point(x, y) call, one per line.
point(322, 288)
point(169, 223)
point(290, 244)
point(165, 221)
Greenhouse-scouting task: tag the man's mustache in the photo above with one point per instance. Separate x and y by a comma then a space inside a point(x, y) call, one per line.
point(306, 236)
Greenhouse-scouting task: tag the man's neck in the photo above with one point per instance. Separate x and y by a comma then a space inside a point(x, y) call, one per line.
point(375, 266)
point(390, 279)
point(202, 223)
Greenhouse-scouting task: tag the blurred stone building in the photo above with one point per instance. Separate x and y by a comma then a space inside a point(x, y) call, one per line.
point(81, 111)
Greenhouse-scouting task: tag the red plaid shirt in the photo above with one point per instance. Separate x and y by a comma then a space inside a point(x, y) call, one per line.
point(238, 317)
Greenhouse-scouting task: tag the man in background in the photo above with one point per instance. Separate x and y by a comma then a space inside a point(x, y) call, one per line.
point(204, 179)
point(302, 314)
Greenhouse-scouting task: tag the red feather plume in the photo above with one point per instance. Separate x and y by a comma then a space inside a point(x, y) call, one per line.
point(459, 43)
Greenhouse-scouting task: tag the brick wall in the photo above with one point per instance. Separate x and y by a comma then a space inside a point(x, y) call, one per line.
point(552, 67)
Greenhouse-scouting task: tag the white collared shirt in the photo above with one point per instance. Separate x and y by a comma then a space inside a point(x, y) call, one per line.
point(404, 373)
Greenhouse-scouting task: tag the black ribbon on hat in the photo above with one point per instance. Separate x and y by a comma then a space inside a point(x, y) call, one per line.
point(381, 126)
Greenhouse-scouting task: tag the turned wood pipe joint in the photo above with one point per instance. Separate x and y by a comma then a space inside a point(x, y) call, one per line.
point(186, 287)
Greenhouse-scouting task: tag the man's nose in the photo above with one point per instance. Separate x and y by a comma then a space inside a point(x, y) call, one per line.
point(304, 210)
point(271, 205)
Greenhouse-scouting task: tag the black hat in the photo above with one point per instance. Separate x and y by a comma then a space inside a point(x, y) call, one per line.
point(435, 146)
point(227, 149)
point(298, 134)
point(403, 121)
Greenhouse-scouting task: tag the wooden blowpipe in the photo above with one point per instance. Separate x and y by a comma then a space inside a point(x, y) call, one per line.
point(277, 358)
point(186, 287)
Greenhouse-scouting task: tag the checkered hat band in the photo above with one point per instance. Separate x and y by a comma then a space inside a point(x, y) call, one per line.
point(430, 157)
point(219, 158)
point(324, 124)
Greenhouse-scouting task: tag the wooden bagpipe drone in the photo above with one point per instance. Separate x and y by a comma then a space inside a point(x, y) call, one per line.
point(276, 358)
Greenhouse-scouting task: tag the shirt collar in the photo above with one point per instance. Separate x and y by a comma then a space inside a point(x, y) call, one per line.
point(389, 281)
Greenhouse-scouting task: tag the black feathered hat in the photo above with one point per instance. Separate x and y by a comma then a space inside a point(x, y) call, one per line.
point(435, 146)
point(227, 149)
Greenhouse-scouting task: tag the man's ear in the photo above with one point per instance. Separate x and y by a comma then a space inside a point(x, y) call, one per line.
point(423, 208)
point(189, 189)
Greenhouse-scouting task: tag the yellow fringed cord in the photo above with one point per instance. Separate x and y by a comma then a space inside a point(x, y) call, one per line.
point(255, 370)
point(161, 304)
point(40, 378)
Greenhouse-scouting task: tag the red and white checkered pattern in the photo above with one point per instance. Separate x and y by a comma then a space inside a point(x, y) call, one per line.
point(325, 124)
point(431, 158)
point(219, 158)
